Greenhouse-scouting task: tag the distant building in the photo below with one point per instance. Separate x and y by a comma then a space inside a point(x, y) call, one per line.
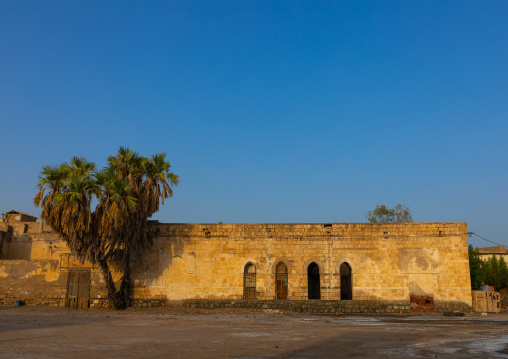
point(499, 251)
point(17, 217)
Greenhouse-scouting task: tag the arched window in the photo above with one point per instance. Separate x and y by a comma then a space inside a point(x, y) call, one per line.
point(249, 281)
point(313, 281)
point(346, 283)
point(281, 281)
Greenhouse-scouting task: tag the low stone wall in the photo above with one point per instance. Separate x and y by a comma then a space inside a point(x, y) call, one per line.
point(307, 306)
point(148, 302)
point(103, 303)
point(324, 306)
point(452, 306)
point(11, 300)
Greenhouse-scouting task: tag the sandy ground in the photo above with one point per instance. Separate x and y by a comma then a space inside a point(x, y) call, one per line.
point(47, 332)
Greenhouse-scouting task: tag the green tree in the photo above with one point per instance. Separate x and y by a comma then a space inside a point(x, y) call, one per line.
point(102, 214)
point(489, 268)
point(495, 272)
point(382, 214)
point(475, 268)
point(503, 272)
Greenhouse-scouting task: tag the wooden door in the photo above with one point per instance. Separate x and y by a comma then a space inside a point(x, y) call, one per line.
point(84, 290)
point(78, 289)
point(281, 280)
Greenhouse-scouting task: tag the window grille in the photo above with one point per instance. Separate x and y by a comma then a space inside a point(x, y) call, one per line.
point(249, 281)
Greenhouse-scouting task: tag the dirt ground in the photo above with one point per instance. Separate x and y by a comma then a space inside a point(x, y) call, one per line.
point(48, 332)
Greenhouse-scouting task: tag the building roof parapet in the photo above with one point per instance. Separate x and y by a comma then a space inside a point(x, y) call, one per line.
point(493, 250)
point(312, 229)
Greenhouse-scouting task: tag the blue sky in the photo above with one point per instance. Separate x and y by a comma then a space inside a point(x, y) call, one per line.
point(301, 111)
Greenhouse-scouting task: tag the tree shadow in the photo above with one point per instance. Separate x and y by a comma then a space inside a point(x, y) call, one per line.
point(162, 268)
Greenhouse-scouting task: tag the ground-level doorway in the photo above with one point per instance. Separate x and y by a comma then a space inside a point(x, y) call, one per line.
point(281, 280)
point(78, 289)
point(346, 283)
point(313, 281)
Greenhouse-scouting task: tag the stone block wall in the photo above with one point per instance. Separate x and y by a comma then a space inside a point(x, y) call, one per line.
point(389, 263)
point(154, 302)
point(308, 306)
point(36, 270)
point(325, 307)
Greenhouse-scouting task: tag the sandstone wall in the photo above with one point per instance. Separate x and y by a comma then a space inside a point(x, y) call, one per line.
point(35, 269)
point(390, 263)
point(37, 282)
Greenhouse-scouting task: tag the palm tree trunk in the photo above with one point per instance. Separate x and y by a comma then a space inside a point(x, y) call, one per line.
point(110, 284)
point(124, 292)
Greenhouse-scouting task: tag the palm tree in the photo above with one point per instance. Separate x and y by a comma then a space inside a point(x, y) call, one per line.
point(128, 191)
point(65, 195)
point(150, 181)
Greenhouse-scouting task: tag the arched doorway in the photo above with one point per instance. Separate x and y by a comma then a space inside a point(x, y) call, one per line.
point(249, 281)
point(313, 281)
point(281, 281)
point(346, 283)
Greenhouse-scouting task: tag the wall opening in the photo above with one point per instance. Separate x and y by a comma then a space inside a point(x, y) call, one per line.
point(421, 303)
point(281, 281)
point(249, 281)
point(346, 282)
point(313, 281)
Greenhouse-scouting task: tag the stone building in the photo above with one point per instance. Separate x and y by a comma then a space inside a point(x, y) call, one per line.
point(499, 251)
point(18, 217)
point(422, 266)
